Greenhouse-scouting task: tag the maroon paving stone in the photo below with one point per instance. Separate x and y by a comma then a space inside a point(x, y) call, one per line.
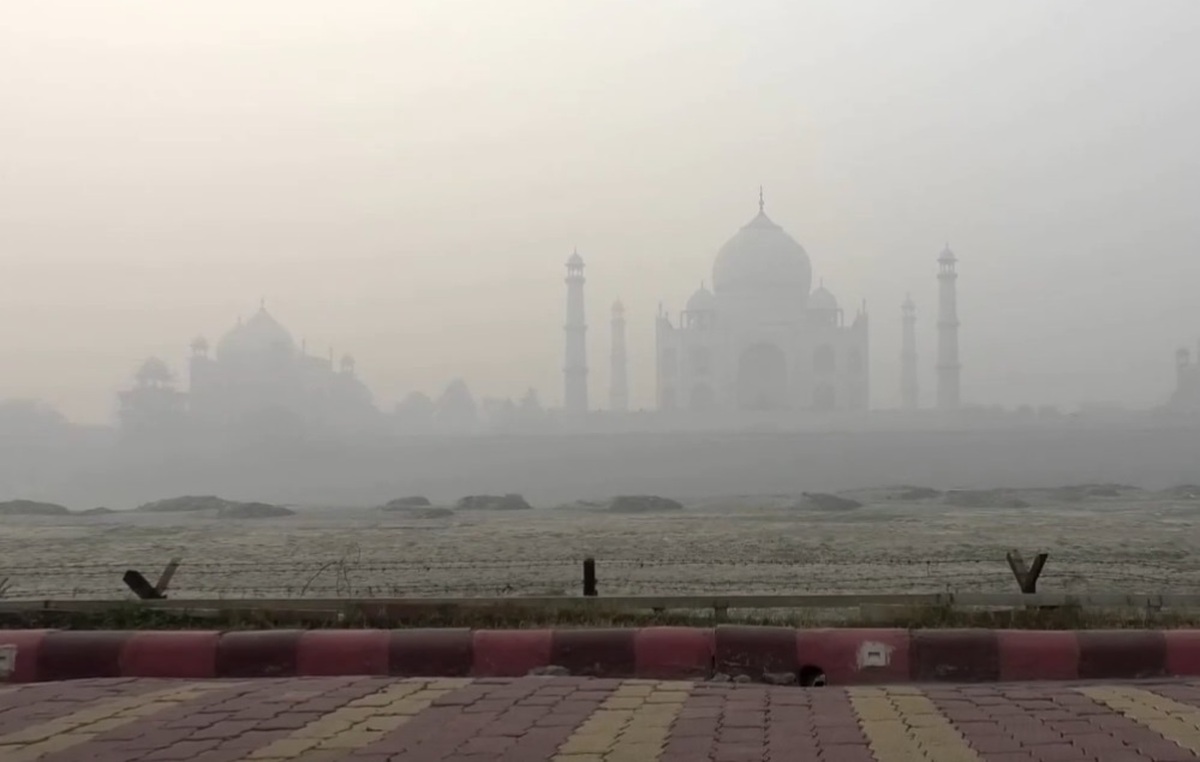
point(213, 725)
point(960, 656)
point(1121, 654)
point(40, 702)
point(1184, 693)
point(528, 719)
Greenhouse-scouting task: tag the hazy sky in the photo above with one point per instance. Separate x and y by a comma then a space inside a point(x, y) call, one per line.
point(404, 180)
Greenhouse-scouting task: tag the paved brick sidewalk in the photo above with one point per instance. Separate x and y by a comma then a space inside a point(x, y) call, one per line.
point(579, 720)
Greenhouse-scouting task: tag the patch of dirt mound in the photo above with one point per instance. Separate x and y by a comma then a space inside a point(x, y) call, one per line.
point(186, 504)
point(915, 493)
point(643, 504)
point(253, 511)
point(32, 508)
point(983, 498)
point(821, 501)
point(426, 513)
point(404, 503)
point(509, 502)
point(1183, 492)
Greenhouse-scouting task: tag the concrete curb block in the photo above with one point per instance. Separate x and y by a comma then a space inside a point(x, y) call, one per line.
point(840, 656)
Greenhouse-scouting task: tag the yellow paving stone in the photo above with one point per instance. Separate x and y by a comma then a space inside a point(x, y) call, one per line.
point(62, 733)
point(1173, 720)
point(360, 722)
point(645, 735)
point(631, 725)
point(667, 697)
point(598, 743)
point(676, 685)
point(632, 702)
point(323, 728)
point(903, 725)
point(354, 739)
point(285, 748)
point(634, 752)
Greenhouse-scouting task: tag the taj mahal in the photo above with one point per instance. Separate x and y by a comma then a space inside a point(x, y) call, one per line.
point(762, 339)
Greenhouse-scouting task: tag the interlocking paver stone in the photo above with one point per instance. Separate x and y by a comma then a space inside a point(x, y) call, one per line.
point(578, 720)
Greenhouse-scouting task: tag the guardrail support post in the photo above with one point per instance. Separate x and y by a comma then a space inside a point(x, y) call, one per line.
point(1027, 577)
point(164, 579)
point(142, 588)
point(589, 577)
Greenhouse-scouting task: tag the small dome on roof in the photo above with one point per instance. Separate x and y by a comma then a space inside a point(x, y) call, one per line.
point(575, 260)
point(153, 372)
point(822, 299)
point(947, 255)
point(702, 301)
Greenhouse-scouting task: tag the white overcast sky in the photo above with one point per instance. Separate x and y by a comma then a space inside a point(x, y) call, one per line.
point(403, 180)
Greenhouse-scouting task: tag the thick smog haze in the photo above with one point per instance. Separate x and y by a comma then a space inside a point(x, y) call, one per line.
point(404, 182)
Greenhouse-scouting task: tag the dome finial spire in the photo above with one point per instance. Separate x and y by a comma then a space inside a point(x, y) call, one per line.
point(761, 204)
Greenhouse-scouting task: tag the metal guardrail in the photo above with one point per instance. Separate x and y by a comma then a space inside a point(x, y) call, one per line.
point(719, 603)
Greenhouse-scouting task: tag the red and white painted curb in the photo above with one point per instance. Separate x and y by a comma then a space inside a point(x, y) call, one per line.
point(841, 656)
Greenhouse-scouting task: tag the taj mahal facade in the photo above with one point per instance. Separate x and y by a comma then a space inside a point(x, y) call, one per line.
point(761, 340)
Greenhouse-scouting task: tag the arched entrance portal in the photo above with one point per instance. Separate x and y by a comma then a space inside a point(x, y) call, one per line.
point(703, 397)
point(762, 378)
point(824, 397)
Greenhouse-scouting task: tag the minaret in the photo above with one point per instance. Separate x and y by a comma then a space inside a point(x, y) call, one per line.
point(575, 392)
point(908, 355)
point(618, 393)
point(948, 368)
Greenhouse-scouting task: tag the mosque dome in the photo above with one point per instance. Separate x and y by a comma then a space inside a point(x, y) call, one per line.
point(153, 372)
point(260, 335)
point(822, 299)
point(762, 259)
point(702, 301)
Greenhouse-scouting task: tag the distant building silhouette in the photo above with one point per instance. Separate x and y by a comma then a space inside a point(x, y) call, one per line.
point(949, 392)
point(257, 373)
point(575, 370)
point(1186, 398)
point(909, 389)
point(618, 393)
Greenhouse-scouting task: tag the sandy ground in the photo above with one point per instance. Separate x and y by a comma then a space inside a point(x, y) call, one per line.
point(1138, 542)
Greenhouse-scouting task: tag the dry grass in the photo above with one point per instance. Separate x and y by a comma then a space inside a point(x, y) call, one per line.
point(1138, 542)
point(134, 617)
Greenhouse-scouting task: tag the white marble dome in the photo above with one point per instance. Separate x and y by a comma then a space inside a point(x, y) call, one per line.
point(260, 335)
point(762, 260)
